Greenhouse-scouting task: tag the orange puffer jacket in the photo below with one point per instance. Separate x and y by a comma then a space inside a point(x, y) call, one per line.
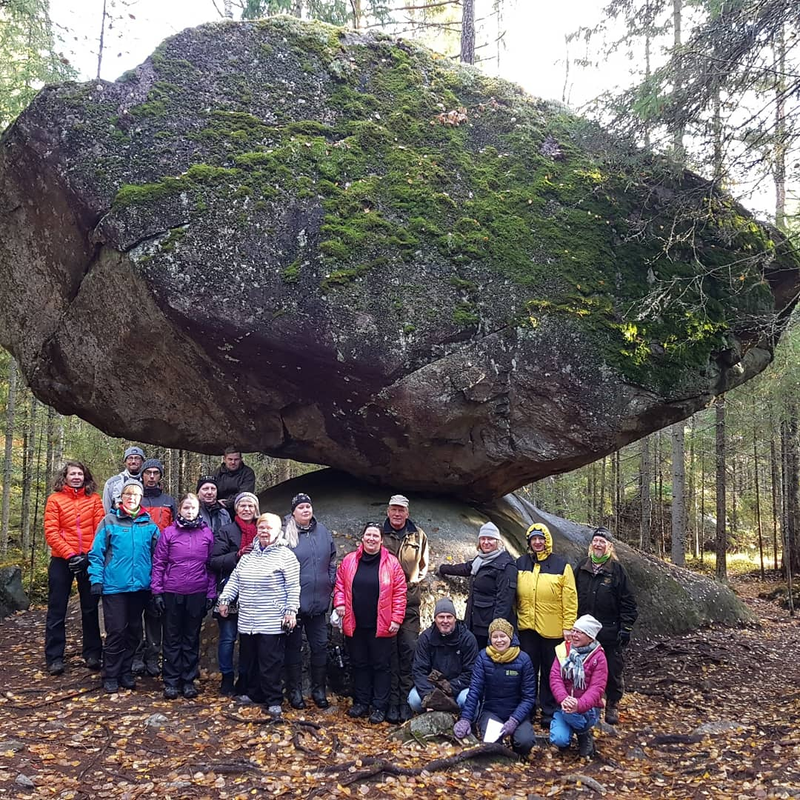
point(70, 520)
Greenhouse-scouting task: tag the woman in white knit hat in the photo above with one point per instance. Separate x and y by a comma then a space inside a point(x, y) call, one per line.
point(493, 585)
point(578, 679)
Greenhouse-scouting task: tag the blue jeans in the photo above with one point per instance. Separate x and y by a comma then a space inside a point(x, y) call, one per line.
point(228, 628)
point(415, 701)
point(562, 725)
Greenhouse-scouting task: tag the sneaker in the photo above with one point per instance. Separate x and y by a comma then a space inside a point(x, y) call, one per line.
point(110, 685)
point(377, 716)
point(275, 711)
point(190, 690)
point(358, 710)
point(56, 667)
point(127, 681)
point(137, 668)
point(171, 692)
point(92, 663)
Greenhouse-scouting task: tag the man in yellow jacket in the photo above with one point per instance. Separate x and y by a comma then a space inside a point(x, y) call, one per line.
point(547, 607)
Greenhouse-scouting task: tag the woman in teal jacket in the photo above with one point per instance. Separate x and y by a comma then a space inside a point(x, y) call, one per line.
point(120, 563)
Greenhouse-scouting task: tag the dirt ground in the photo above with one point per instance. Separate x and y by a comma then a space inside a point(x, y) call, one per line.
point(62, 737)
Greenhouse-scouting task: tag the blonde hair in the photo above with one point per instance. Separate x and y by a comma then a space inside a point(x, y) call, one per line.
point(267, 516)
point(609, 550)
point(291, 536)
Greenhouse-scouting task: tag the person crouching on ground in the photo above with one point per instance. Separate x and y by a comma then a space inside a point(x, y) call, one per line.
point(443, 660)
point(267, 582)
point(503, 687)
point(578, 679)
point(184, 590)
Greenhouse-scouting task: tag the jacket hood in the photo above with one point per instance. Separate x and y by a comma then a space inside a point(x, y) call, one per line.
point(548, 539)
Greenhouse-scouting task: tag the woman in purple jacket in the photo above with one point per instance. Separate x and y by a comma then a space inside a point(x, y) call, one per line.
point(184, 590)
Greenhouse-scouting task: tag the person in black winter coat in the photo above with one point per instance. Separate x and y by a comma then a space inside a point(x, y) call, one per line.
point(447, 648)
point(233, 478)
point(313, 546)
point(493, 587)
point(232, 542)
point(211, 510)
point(605, 592)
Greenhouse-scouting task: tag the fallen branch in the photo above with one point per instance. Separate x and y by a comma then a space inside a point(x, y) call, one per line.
point(378, 766)
point(227, 767)
point(45, 703)
point(585, 780)
point(100, 751)
point(676, 738)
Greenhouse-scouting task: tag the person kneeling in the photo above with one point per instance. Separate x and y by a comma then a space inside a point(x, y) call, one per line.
point(503, 683)
point(578, 679)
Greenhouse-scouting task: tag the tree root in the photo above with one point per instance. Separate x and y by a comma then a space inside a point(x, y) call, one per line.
point(585, 780)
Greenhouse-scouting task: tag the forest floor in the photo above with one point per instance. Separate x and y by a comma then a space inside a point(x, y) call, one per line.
point(61, 737)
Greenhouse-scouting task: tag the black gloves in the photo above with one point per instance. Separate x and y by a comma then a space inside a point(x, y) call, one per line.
point(78, 564)
point(210, 603)
point(623, 637)
point(97, 589)
point(158, 604)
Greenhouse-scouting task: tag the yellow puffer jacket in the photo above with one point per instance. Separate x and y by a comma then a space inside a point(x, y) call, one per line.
point(547, 601)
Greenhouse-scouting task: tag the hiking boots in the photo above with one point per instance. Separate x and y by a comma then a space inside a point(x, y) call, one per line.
point(190, 690)
point(226, 687)
point(171, 692)
point(137, 668)
point(612, 713)
point(318, 687)
point(56, 667)
point(377, 716)
point(92, 663)
point(127, 681)
point(586, 744)
point(393, 715)
point(293, 681)
point(110, 685)
point(152, 668)
point(358, 710)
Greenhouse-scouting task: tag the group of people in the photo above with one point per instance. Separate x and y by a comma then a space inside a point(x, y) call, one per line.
point(268, 581)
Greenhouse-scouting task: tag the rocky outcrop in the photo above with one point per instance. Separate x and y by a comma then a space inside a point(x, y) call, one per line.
point(12, 593)
point(342, 249)
point(670, 599)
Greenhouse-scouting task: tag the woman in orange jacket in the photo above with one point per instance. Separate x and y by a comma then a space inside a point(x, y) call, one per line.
point(71, 516)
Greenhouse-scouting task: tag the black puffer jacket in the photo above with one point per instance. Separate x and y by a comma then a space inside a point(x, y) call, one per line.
point(452, 655)
point(607, 596)
point(492, 592)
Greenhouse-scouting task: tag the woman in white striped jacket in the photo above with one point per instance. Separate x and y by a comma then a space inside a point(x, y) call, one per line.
point(267, 582)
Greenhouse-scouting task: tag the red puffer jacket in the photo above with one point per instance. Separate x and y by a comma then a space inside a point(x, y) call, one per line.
point(391, 597)
point(70, 520)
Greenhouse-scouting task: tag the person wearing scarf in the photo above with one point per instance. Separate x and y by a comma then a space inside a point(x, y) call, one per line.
point(231, 543)
point(120, 563)
point(547, 606)
point(493, 583)
point(184, 589)
point(605, 592)
point(266, 581)
point(578, 679)
point(503, 687)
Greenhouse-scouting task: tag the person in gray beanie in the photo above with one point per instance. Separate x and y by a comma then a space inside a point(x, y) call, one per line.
point(134, 458)
point(493, 583)
point(443, 662)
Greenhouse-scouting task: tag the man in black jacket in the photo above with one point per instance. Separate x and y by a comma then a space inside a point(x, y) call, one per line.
point(447, 648)
point(233, 477)
point(605, 592)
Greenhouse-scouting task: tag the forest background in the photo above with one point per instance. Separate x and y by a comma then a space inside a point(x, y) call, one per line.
point(713, 84)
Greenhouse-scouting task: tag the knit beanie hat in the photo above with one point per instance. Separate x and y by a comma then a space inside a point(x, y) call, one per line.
point(132, 482)
point(604, 532)
point(246, 496)
point(501, 624)
point(133, 451)
point(444, 606)
point(153, 463)
point(203, 479)
point(589, 625)
point(489, 529)
point(300, 498)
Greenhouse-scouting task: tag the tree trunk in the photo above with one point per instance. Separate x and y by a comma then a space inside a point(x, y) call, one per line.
point(678, 496)
point(678, 133)
point(101, 43)
point(791, 488)
point(776, 496)
point(700, 536)
point(691, 500)
point(660, 497)
point(645, 473)
point(617, 491)
point(468, 32)
point(600, 519)
point(355, 6)
point(28, 472)
point(779, 151)
point(722, 539)
point(8, 459)
point(757, 492)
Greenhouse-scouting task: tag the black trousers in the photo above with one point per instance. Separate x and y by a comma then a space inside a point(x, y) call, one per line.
point(59, 580)
point(615, 655)
point(316, 628)
point(404, 646)
point(542, 652)
point(264, 653)
point(523, 738)
point(183, 618)
point(370, 661)
point(149, 650)
point(122, 615)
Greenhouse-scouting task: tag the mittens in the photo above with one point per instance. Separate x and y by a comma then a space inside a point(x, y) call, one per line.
point(462, 728)
point(509, 726)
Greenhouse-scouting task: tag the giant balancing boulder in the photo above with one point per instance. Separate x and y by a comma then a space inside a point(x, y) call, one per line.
point(344, 249)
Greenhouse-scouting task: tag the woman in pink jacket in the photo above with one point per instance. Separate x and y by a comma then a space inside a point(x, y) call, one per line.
point(370, 598)
point(578, 679)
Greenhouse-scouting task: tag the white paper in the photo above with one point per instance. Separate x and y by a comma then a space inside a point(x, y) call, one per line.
point(492, 733)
